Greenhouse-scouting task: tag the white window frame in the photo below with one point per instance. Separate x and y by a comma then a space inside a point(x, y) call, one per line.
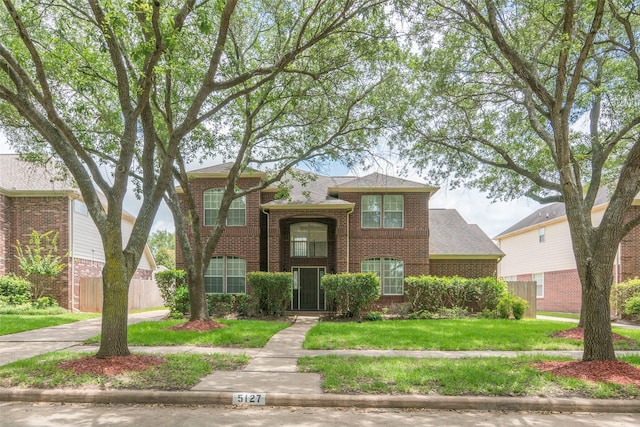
point(387, 203)
point(541, 235)
point(389, 207)
point(381, 267)
point(223, 267)
point(539, 279)
point(367, 223)
point(212, 199)
point(309, 239)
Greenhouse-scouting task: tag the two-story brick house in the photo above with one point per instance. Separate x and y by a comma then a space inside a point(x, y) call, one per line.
point(376, 223)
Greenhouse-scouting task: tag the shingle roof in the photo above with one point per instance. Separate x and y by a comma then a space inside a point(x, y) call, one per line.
point(318, 188)
point(450, 234)
point(550, 212)
point(221, 169)
point(314, 192)
point(18, 176)
point(377, 180)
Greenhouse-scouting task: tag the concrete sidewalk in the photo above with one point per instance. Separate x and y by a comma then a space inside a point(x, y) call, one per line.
point(273, 373)
point(70, 335)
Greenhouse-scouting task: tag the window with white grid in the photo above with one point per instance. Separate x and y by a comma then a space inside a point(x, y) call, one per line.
point(390, 271)
point(212, 202)
point(226, 275)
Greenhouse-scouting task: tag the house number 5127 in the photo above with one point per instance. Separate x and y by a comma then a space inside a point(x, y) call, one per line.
point(249, 399)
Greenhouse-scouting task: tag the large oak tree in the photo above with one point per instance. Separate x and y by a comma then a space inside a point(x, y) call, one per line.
point(329, 104)
point(537, 98)
point(135, 85)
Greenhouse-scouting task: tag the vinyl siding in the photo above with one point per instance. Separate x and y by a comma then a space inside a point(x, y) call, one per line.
point(86, 239)
point(525, 254)
point(88, 245)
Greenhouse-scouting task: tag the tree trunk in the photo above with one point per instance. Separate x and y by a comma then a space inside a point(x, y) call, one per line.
point(115, 286)
point(197, 294)
point(596, 289)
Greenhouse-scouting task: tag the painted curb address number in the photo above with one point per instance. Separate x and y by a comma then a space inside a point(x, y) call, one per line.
point(249, 399)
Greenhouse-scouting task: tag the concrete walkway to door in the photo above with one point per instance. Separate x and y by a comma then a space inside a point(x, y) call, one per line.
point(272, 368)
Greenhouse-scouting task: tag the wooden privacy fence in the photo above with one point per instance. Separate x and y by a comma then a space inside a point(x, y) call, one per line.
point(142, 294)
point(527, 291)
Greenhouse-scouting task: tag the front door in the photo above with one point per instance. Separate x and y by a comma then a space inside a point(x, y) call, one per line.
point(307, 293)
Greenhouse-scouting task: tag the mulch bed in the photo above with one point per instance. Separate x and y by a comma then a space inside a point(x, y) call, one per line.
point(114, 365)
point(608, 371)
point(578, 334)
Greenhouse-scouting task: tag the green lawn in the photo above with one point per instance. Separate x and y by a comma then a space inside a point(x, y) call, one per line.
point(450, 335)
point(556, 314)
point(177, 372)
point(491, 376)
point(238, 333)
point(14, 323)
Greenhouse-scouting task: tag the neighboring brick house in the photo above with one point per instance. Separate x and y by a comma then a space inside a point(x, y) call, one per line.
point(36, 198)
point(375, 223)
point(539, 248)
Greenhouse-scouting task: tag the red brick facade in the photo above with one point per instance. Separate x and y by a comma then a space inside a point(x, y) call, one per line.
point(22, 216)
point(5, 233)
point(561, 291)
point(471, 268)
point(629, 267)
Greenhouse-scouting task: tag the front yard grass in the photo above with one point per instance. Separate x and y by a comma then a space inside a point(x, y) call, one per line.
point(490, 376)
point(178, 372)
point(14, 323)
point(238, 333)
point(451, 335)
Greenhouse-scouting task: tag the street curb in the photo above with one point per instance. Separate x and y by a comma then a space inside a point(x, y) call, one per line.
point(534, 404)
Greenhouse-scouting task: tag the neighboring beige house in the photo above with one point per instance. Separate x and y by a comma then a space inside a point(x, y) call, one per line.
point(539, 248)
point(36, 198)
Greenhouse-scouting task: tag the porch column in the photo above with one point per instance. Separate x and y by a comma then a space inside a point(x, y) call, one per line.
point(274, 243)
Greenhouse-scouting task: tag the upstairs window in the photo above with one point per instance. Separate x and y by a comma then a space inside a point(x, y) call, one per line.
point(308, 239)
point(226, 275)
point(541, 235)
point(212, 202)
point(383, 211)
point(389, 270)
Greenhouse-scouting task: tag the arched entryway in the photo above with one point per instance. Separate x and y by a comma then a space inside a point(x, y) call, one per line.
point(308, 250)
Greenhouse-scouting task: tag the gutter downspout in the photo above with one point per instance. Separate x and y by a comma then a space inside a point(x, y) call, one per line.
point(348, 237)
point(268, 225)
point(71, 257)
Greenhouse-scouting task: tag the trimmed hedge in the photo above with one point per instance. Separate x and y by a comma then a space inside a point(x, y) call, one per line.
point(431, 293)
point(173, 288)
point(272, 291)
point(15, 290)
point(621, 294)
point(351, 293)
point(225, 304)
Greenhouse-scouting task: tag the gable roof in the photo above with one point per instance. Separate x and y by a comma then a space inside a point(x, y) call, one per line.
point(450, 236)
point(21, 177)
point(379, 182)
point(222, 170)
point(321, 191)
point(552, 212)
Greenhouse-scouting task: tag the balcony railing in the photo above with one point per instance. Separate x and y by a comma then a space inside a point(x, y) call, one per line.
point(308, 249)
